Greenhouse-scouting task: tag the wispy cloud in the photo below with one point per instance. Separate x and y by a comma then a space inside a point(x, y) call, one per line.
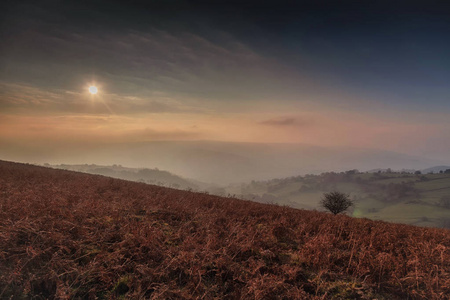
point(20, 98)
point(149, 134)
point(52, 130)
point(279, 122)
point(285, 121)
point(132, 62)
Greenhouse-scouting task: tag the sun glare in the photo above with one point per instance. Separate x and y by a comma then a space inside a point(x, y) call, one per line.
point(93, 90)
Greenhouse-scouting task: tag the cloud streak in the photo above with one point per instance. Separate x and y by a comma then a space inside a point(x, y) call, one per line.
point(282, 122)
point(19, 98)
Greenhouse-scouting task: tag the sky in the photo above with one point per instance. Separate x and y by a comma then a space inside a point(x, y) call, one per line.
point(361, 74)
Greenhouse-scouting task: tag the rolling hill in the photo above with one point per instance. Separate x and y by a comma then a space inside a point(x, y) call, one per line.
point(151, 176)
point(222, 162)
point(436, 169)
point(401, 197)
point(73, 235)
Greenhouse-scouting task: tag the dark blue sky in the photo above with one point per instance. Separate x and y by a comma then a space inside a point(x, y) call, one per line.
point(394, 49)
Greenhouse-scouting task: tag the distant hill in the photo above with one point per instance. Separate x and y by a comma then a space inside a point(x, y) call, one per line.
point(387, 170)
point(70, 235)
point(226, 162)
point(436, 169)
point(401, 197)
point(151, 176)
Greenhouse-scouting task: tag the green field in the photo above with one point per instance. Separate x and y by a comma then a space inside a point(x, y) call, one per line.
point(417, 199)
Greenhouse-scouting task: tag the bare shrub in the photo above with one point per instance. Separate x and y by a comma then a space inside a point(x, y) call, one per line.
point(336, 202)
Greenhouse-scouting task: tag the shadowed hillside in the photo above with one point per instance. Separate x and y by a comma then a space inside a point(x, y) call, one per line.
point(72, 235)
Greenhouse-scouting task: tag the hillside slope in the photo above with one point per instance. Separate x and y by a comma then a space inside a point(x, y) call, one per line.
point(415, 199)
point(151, 176)
point(72, 235)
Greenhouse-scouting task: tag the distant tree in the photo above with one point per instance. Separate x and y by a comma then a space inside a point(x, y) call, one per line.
point(417, 172)
point(351, 172)
point(423, 178)
point(447, 171)
point(336, 202)
point(399, 191)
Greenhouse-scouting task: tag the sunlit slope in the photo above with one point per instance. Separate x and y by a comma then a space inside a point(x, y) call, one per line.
point(72, 235)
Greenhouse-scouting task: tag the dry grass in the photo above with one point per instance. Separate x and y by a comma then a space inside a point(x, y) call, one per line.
point(71, 235)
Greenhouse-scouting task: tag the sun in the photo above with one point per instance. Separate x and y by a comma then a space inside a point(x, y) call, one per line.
point(93, 90)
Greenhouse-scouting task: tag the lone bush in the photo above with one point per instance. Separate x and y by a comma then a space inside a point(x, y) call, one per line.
point(336, 202)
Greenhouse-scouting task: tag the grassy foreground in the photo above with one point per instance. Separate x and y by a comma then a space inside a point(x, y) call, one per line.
point(70, 235)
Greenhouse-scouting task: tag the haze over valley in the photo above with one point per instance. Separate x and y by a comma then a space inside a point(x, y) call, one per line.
point(224, 162)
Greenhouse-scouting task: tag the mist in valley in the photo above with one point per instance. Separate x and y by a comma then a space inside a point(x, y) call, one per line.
point(221, 163)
